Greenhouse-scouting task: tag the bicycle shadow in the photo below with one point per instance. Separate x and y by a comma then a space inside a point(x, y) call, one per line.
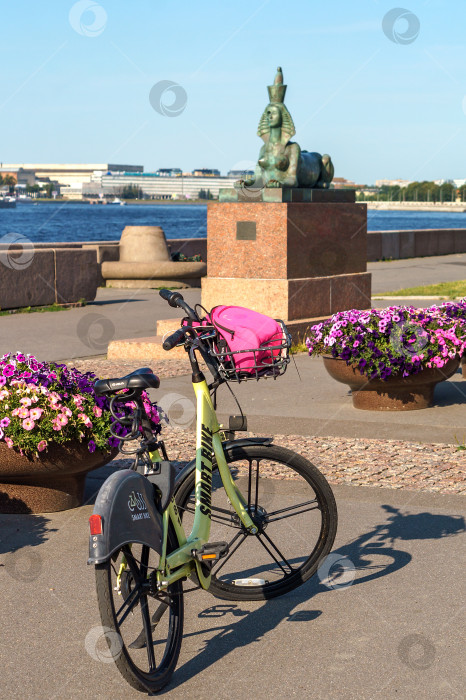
point(355, 557)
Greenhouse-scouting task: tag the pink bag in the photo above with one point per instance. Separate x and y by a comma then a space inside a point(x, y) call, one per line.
point(255, 340)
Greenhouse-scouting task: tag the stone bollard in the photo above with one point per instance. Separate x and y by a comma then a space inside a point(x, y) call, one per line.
point(145, 262)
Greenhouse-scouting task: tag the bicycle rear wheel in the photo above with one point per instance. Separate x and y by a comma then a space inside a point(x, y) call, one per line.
point(292, 505)
point(143, 628)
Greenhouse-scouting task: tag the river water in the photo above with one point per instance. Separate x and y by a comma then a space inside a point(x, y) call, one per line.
point(64, 222)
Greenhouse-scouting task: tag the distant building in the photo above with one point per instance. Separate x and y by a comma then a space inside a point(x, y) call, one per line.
point(392, 183)
point(341, 183)
point(206, 172)
point(238, 174)
point(155, 186)
point(22, 176)
point(169, 172)
point(70, 174)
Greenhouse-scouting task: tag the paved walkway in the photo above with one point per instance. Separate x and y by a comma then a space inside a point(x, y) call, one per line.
point(392, 630)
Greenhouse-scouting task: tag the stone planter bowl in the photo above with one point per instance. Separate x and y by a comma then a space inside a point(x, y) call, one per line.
point(52, 481)
point(393, 394)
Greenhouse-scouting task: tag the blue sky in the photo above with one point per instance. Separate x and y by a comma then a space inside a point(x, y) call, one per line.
point(75, 87)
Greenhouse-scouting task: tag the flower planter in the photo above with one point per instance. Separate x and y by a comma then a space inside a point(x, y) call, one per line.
point(463, 367)
point(50, 482)
point(393, 394)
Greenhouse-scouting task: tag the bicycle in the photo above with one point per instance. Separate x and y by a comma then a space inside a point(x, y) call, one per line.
point(271, 534)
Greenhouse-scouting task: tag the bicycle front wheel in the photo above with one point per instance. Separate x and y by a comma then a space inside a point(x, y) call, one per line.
point(143, 628)
point(294, 509)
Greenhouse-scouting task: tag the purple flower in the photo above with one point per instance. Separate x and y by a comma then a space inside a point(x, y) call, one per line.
point(92, 446)
point(5, 422)
point(8, 370)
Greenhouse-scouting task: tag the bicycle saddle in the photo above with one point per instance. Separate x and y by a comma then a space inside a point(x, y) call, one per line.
point(143, 378)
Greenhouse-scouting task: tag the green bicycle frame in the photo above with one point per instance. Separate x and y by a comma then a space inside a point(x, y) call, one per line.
point(181, 562)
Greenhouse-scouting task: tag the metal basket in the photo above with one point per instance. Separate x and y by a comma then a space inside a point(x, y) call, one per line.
point(262, 365)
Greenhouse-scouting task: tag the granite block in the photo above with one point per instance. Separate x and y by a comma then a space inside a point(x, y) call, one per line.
point(77, 275)
point(27, 278)
point(261, 258)
point(287, 194)
point(267, 296)
point(309, 297)
point(407, 244)
point(391, 245)
point(445, 242)
point(146, 349)
point(426, 243)
point(326, 239)
point(374, 246)
point(291, 299)
point(459, 240)
point(350, 292)
point(293, 240)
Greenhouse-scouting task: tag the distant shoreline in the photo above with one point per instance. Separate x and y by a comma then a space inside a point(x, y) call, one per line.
point(454, 208)
point(139, 202)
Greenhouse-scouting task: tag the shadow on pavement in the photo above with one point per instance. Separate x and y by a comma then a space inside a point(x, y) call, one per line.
point(450, 393)
point(107, 302)
point(369, 556)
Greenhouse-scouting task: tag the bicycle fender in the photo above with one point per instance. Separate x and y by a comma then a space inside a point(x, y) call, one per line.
point(126, 505)
point(228, 445)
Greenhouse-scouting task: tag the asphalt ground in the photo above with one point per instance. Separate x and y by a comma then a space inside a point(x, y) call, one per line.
point(389, 625)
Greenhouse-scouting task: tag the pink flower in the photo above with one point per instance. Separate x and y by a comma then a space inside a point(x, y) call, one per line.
point(23, 412)
point(1, 433)
point(28, 424)
point(42, 445)
point(62, 418)
point(97, 411)
point(56, 424)
point(26, 401)
point(67, 411)
point(9, 442)
point(85, 419)
point(35, 413)
point(5, 422)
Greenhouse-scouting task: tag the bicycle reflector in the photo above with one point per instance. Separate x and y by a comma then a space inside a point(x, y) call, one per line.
point(95, 524)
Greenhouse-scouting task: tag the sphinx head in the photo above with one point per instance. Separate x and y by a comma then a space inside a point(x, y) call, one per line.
point(273, 115)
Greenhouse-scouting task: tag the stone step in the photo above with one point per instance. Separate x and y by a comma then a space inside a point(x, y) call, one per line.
point(143, 349)
point(168, 326)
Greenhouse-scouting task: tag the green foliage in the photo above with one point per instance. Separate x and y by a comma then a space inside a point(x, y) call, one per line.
point(449, 290)
point(205, 194)
point(424, 191)
point(131, 192)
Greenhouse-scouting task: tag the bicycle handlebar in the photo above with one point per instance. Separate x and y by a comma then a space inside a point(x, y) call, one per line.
point(176, 300)
point(174, 339)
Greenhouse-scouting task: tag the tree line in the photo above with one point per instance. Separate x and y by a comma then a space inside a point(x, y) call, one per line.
point(424, 191)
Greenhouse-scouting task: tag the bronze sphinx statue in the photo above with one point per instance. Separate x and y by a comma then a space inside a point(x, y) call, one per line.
point(281, 162)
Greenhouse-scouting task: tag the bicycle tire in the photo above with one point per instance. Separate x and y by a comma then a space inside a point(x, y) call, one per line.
point(128, 659)
point(299, 475)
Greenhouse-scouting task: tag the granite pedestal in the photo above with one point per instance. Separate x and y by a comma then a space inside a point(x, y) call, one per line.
point(295, 260)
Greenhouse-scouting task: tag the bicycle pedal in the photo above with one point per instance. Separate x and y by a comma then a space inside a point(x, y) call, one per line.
point(212, 551)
